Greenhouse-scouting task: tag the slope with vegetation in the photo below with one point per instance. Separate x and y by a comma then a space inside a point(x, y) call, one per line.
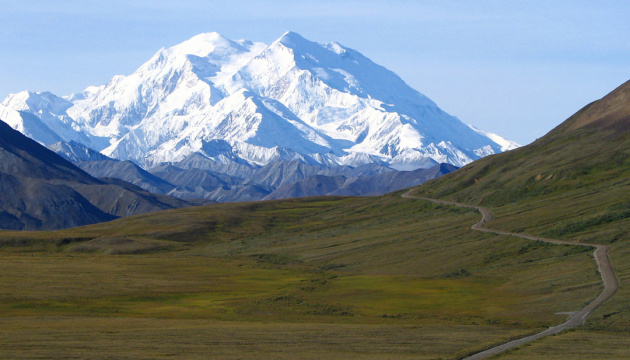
point(571, 184)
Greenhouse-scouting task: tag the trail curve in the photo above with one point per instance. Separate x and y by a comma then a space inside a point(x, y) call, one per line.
point(606, 271)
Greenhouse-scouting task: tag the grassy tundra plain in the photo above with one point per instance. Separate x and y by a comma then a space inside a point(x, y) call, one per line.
point(381, 277)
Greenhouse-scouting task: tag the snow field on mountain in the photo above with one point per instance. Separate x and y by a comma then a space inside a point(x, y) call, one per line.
point(246, 102)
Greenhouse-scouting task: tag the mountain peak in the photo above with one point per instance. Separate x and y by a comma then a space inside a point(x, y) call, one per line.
point(209, 37)
point(292, 40)
point(204, 44)
point(28, 100)
point(291, 35)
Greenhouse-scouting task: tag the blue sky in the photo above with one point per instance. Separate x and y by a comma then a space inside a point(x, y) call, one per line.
point(516, 68)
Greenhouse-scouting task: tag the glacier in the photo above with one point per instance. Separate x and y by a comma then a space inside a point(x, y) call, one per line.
point(243, 102)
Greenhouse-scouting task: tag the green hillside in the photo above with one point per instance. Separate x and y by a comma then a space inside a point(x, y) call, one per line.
point(590, 150)
point(573, 183)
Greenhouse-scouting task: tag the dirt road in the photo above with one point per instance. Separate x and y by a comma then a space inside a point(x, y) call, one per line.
point(611, 284)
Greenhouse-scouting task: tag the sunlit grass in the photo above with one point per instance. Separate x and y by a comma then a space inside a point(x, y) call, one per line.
point(366, 262)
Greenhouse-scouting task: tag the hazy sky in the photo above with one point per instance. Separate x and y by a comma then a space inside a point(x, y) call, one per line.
point(516, 68)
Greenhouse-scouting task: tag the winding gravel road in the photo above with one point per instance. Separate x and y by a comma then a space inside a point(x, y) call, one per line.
point(611, 284)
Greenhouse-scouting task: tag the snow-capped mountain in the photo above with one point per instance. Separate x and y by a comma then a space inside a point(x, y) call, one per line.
point(251, 103)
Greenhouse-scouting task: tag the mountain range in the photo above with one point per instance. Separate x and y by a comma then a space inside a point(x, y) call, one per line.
point(248, 103)
point(249, 183)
